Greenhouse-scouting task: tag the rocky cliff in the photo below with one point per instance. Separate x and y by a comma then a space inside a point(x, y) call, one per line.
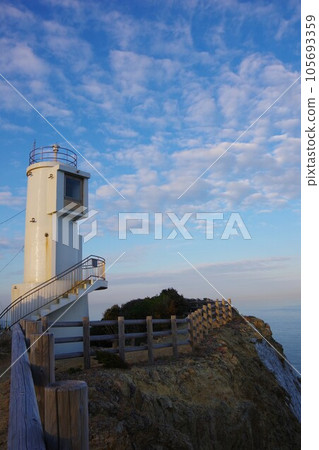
point(233, 392)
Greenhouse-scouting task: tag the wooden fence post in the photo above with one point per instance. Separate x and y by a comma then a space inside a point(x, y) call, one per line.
point(44, 322)
point(149, 329)
point(209, 316)
point(42, 365)
point(32, 327)
point(230, 310)
point(121, 333)
point(217, 316)
point(86, 343)
point(191, 330)
point(200, 324)
point(66, 415)
point(174, 336)
point(195, 328)
point(224, 316)
point(205, 320)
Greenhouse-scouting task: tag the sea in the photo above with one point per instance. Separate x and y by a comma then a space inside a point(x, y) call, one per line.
point(285, 323)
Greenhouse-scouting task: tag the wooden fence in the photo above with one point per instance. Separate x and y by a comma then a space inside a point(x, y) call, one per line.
point(123, 341)
point(199, 323)
point(49, 414)
point(204, 319)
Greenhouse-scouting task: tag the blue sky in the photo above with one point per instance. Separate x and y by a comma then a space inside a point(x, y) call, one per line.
point(152, 93)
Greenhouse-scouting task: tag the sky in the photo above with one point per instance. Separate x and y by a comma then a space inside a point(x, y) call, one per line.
point(177, 107)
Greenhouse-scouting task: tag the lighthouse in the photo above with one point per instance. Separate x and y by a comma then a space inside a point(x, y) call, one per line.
point(57, 279)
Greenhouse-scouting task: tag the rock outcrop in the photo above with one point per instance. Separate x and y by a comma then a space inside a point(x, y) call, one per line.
point(230, 393)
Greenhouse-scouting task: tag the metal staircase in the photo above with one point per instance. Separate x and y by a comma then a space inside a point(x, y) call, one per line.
point(63, 289)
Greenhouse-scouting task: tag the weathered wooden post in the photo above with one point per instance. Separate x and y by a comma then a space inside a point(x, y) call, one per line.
point(230, 310)
point(42, 365)
point(210, 316)
point(195, 328)
point(25, 429)
point(121, 333)
point(224, 316)
point(149, 329)
point(86, 343)
point(32, 327)
point(205, 319)
point(191, 330)
point(66, 415)
point(217, 316)
point(200, 324)
point(174, 336)
point(44, 323)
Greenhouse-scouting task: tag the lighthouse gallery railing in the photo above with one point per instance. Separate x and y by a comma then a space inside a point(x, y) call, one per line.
point(90, 268)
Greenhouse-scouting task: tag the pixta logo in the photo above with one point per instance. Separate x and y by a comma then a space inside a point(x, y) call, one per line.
point(139, 223)
point(69, 224)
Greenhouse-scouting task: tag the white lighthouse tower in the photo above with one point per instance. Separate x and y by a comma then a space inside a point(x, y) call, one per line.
point(57, 280)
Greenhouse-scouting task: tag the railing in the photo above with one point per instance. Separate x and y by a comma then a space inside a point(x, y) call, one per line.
point(212, 315)
point(91, 268)
point(53, 153)
point(123, 341)
point(199, 324)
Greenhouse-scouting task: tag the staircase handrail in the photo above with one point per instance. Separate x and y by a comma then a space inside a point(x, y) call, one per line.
point(100, 260)
point(50, 301)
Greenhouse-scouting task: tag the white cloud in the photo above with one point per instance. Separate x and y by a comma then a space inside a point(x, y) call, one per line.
point(20, 58)
point(9, 199)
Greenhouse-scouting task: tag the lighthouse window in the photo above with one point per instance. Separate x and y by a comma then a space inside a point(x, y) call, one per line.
point(73, 189)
